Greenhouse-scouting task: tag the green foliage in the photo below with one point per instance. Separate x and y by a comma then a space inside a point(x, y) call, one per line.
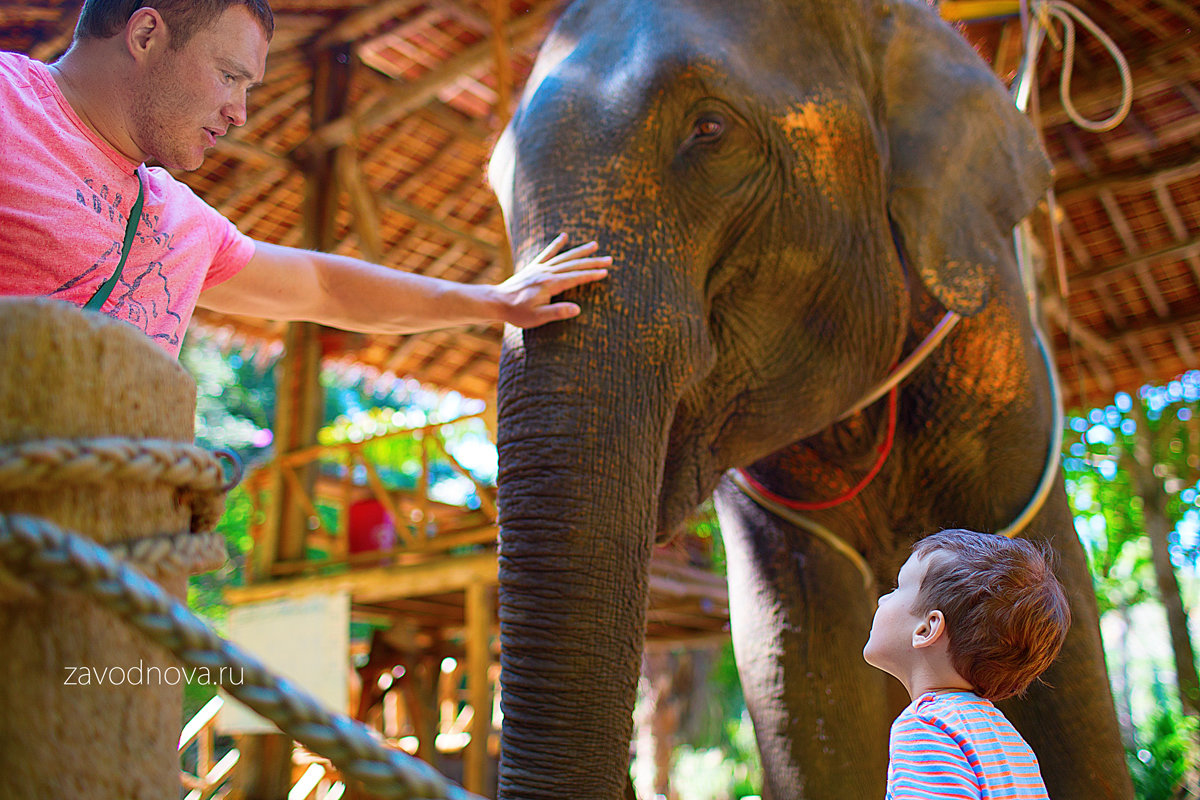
point(724, 772)
point(235, 398)
point(1164, 754)
point(1099, 448)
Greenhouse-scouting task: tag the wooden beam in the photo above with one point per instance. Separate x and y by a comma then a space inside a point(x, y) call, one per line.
point(365, 212)
point(479, 620)
point(417, 93)
point(487, 504)
point(1118, 222)
point(247, 186)
point(1105, 273)
point(365, 21)
point(301, 397)
point(1131, 179)
point(454, 229)
point(51, 48)
point(502, 52)
point(251, 153)
point(1170, 211)
point(1160, 325)
point(1075, 329)
point(381, 584)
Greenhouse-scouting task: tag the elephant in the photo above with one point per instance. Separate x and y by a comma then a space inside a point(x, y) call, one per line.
point(794, 193)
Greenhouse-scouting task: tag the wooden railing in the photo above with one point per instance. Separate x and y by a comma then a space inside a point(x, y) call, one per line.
point(313, 778)
point(209, 777)
point(422, 525)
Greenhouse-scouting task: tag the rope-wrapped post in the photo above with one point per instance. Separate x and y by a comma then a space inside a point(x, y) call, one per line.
point(65, 731)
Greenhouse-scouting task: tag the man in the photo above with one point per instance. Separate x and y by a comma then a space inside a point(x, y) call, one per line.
point(161, 84)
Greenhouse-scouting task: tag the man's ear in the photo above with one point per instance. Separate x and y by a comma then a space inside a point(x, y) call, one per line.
point(931, 630)
point(145, 31)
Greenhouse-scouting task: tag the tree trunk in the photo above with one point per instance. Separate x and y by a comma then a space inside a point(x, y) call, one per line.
point(1158, 526)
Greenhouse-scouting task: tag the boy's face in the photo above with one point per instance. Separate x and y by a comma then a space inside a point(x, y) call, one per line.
point(890, 646)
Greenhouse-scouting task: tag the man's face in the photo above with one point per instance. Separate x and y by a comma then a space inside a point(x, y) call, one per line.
point(190, 96)
point(890, 645)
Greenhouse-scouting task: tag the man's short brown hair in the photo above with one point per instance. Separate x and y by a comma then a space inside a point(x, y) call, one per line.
point(103, 19)
point(1006, 613)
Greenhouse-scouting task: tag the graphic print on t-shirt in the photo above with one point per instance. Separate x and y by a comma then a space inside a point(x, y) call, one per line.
point(142, 295)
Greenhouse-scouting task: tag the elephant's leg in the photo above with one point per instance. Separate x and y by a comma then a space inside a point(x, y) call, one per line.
point(800, 618)
point(1068, 716)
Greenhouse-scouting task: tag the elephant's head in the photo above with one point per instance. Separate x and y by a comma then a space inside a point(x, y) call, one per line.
point(755, 170)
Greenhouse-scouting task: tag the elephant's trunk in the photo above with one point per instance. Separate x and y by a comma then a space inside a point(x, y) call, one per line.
point(582, 438)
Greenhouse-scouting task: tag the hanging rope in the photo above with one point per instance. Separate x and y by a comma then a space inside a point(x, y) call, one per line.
point(1045, 13)
point(44, 554)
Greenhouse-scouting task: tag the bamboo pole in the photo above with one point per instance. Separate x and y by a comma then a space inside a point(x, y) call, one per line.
point(479, 688)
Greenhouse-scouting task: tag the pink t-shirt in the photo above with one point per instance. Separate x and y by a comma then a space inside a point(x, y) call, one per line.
point(65, 196)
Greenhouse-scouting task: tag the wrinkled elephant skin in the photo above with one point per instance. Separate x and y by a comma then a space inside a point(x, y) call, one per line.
point(794, 193)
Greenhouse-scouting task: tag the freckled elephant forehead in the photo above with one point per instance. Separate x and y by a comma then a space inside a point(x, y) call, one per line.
point(606, 60)
point(611, 57)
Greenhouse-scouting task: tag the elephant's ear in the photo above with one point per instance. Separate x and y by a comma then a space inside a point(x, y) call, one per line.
point(965, 164)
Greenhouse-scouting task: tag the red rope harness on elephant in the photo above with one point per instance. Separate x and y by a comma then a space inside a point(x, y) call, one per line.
point(884, 450)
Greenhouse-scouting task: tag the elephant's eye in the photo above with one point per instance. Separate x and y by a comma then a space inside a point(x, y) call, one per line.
point(707, 129)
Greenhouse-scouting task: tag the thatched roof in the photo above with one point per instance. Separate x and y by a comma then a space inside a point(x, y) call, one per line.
point(412, 92)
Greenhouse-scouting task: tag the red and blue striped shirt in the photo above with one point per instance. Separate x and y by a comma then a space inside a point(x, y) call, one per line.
point(958, 745)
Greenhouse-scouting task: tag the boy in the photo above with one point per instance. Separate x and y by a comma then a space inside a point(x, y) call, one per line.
point(974, 618)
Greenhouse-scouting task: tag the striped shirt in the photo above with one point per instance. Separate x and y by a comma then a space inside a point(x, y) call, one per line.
point(958, 745)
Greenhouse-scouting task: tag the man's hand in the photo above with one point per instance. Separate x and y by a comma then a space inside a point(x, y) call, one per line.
point(525, 297)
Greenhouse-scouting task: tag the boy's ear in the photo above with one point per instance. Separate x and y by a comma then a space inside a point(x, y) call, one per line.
point(931, 630)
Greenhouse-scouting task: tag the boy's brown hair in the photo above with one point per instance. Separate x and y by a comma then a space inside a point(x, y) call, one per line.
point(103, 19)
point(1006, 613)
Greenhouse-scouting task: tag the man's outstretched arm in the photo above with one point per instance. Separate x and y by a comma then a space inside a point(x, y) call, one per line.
point(292, 284)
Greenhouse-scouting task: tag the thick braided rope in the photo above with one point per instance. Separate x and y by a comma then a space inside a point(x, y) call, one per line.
point(41, 552)
point(52, 463)
point(49, 463)
point(169, 553)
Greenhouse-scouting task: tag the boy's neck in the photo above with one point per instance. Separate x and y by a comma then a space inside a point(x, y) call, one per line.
point(929, 677)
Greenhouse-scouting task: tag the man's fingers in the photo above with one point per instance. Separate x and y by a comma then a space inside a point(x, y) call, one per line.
point(561, 282)
point(555, 245)
point(574, 252)
point(576, 264)
point(555, 312)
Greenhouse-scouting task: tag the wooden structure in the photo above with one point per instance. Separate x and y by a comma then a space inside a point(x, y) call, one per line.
point(370, 138)
point(392, 108)
point(429, 585)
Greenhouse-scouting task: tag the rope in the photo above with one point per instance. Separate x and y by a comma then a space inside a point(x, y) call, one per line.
point(45, 554)
point(158, 556)
point(906, 367)
point(1046, 12)
point(1050, 471)
point(884, 450)
point(799, 520)
point(53, 463)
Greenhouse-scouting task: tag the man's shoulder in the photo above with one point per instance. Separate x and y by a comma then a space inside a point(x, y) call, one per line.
point(163, 187)
point(16, 69)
